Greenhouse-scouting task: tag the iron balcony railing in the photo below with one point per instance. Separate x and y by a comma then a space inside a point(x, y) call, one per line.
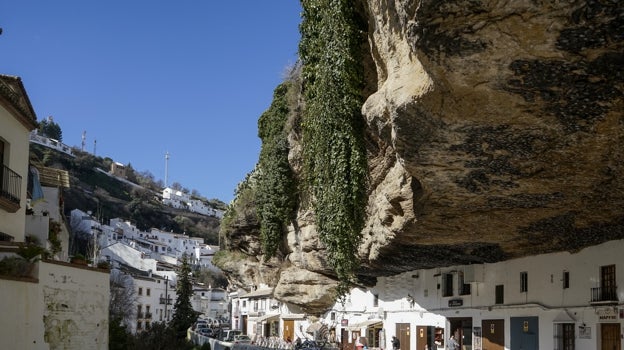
point(148, 315)
point(603, 294)
point(162, 301)
point(11, 185)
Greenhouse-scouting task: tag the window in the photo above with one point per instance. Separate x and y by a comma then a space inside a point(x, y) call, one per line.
point(140, 290)
point(139, 325)
point(375, 300)
point(564, 336)
point(464, 288)
point(566, 279)
point(500, 294)
point(607, 283)
point(524, 282)
point(447, 285)
point(147, 292)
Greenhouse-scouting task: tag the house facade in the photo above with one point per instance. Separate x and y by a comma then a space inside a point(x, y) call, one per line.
point(556, 301)
point(47, 304)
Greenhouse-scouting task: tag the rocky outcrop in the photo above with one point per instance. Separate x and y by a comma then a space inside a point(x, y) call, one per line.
point(495, 131)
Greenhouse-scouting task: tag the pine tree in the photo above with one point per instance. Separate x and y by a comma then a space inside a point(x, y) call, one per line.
point(183, 313)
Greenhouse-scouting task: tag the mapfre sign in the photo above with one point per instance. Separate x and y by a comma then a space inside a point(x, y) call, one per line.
point(607, 314)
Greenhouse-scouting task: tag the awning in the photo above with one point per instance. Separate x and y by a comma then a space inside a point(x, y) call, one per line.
point(265, 318)
point(363, 324)
point(564, 317)
point(293, 317)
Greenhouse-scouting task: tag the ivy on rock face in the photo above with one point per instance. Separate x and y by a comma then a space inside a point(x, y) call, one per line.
point(276, 190)
point(333, 129)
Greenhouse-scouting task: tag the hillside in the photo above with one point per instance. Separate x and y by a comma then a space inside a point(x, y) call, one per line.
point(107, 197)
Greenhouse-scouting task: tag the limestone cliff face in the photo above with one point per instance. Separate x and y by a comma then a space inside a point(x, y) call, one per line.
point(495, 130)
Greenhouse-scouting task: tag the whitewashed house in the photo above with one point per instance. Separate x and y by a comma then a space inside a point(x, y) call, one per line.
point(206, 254)
point(180, 200)
point(550, 301)
point(211, 302)
point(49, 304)
point(156, 297)
point(268, 321)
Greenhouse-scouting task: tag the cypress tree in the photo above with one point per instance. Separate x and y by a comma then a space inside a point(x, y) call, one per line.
point(183, 313)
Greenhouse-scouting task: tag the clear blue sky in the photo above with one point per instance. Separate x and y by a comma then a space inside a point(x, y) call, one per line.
point(144, 77)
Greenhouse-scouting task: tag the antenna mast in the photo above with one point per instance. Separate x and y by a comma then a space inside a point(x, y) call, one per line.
point(166, 167)
point(84, 139)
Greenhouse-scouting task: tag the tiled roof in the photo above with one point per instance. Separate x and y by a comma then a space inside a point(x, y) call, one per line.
point(14, 98)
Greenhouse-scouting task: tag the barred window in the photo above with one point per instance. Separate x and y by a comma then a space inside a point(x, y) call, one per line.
point(524, 282)
point(564, 336)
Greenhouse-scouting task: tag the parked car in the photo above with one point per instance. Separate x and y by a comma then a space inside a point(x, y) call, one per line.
point(206, 332)
point(242, 339)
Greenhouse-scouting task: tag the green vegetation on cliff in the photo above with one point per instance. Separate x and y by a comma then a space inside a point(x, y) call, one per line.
point(276, 189)
point(333, 128)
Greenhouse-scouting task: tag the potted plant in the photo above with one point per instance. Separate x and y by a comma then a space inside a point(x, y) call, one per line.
point(78, 259)
point(31, 252)
point(23, 264)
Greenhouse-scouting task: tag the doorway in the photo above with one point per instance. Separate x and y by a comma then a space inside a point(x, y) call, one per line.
point(461, 328)
point(524, 333)
point(426, 337)
point(403, 333)
point(610, 336)
point(289, 330)
point(493, 334)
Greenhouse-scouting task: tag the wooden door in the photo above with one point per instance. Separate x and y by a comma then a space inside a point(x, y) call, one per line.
point(403, 333)
point(422, 338)
point(344, 339)
point(493, 334)
point(610, 336)
point(289, 330)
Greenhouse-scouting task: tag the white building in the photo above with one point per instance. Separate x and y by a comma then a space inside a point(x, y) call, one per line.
point(268, 321)
point(550, 301)
point(50, 143)
point(211, 302)
point(156, 297)
point(206, 254)
point(126, 255)
point(46, 304)
point(180, 200)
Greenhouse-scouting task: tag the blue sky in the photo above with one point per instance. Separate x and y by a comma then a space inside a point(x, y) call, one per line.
point(144, 77)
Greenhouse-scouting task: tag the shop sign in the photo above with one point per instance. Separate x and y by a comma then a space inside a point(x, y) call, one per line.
point(607, 314)
point(344, 322)
point(455, 302)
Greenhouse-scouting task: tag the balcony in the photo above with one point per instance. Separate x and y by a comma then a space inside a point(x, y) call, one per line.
point(148, 315)
point(10, 192)
point(604, 295)
point(162, 301)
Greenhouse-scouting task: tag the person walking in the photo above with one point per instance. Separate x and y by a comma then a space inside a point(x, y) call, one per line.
point(396, 344)
point(453, 344)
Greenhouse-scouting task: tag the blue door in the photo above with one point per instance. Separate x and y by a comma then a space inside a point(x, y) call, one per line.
point(524, 333)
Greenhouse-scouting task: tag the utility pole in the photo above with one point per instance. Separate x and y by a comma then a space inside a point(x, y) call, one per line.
point(166, 298)
point(94, 146)
point(84, 139)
